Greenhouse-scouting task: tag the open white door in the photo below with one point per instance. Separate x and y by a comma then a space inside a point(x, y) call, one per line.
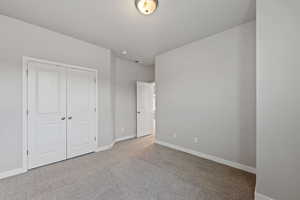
point(145, 108)
point(47, 114)
point(81, 136)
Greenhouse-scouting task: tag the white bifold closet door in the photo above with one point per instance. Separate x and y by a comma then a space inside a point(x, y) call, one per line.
point(62, 117)
point(47, 114)
point(81, 110)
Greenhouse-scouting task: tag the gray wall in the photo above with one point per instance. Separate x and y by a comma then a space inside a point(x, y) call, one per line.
point(127, 73)
point(206, 89)
point(19, 39)
point(278, 97)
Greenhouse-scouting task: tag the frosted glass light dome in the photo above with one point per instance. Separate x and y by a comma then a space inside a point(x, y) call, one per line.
point(146, 7)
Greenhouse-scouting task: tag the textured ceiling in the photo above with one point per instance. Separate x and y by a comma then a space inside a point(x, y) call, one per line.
point(117, 25)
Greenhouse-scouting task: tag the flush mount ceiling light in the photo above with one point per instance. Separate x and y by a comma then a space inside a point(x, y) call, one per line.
point(146, 7)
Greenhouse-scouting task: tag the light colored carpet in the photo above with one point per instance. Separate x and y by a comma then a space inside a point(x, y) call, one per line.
point(132, 170)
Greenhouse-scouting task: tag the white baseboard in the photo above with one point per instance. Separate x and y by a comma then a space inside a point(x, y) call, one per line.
point(104, 148)
point(12, 173)
point(125, 138)
point(259, 196)
point(107, 147)
point(209, 157)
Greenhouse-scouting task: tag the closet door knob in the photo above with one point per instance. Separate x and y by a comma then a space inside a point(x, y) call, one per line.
point(63, 118)
point(70, 118)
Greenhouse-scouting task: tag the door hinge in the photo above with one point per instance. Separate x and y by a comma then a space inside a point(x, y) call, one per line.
point(27, 112)
point(27, 152)
point(95, 109)
point(26, 72)
point(95, 80)
point(95, 138)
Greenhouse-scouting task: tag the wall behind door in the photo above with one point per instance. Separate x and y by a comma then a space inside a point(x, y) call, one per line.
point(18, 39)
point(127, 73)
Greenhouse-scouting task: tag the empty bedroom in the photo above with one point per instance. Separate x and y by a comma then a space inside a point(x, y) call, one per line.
point(149, 100)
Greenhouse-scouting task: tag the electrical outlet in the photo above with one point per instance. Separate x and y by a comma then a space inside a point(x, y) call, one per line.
point(196, 140)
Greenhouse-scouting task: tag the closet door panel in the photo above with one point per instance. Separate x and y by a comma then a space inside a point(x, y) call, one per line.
point(81, 98)
point(47, 112)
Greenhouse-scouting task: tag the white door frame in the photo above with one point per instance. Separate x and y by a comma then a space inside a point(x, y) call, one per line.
point(27, 60)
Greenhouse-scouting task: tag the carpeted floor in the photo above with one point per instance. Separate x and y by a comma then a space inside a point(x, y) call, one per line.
point(132, 170)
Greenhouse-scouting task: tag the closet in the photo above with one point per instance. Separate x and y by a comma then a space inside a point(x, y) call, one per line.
point(61, 121)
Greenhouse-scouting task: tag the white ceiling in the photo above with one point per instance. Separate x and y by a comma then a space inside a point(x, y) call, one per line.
point(117, 25)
